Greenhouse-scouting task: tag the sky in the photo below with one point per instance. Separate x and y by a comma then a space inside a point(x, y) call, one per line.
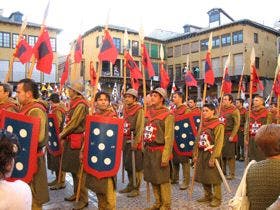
point(76, 17)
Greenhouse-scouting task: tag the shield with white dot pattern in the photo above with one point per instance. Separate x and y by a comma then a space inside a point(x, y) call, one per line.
point(185, 134)
point(103, 146)
point(27, 130)
point(53, 144)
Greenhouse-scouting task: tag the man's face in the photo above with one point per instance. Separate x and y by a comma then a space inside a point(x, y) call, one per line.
point(3, 94)
point(257, 101)
point(22, 96)
point(176, 99)
point(191, 104)
point(102, 102)
point(71, 93)
point(226, 101)
point(129, 99)
point(207, 113)
point(238, 104)
point(156, 99)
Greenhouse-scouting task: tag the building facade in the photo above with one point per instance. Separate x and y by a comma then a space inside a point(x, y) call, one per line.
point(228, 36)
point(9, 33)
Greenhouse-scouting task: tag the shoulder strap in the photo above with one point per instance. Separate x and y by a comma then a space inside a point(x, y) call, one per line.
point(241, 190)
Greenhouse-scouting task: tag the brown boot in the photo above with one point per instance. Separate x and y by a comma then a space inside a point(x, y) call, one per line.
point(215, 203)
point(133, 193)
point(204, 199)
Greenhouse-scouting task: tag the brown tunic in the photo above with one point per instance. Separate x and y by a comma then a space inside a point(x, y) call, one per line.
point(213, 129)
point(158, 138)
point(75, 124)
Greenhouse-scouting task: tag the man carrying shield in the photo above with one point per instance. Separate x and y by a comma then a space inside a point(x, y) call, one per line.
point(134, 122)
point(73, 132)
point(158, 139)
point(27, 94)
point(59, 109)
point(178, 159)
point(105, 188)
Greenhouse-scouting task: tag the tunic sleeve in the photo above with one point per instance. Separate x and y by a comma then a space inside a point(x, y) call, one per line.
point(218, 141)
point(168, 137)
point(139, 127)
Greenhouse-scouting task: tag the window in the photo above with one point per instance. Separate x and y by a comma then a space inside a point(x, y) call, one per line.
point(135, 48)
point(53, 44)
point(117, 43)
point(177, 51)
point(154, 51)
point(5, 40)
point(14, 40)
point(237, 37)
point(170, 52)
point(178, 72)
point(156, 68)
point(256, 38)
point(170, 72)
point(185, 49)
point(216, 42)
point(226, 40)
point(32, 40)
point(204, 44)
point(215, 16)
point(238, 64)
point(97, 42)
point(195, 47)
point(257, 62)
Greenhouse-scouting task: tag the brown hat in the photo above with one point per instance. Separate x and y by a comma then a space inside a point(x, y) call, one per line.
point(160, 91)
point(132, 92)
point(77, 86)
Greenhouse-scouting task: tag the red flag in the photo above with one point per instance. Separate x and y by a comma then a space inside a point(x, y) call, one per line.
point(227, 83)
point(43, 53)
point(23, 51)
point(78, 50)
point(146, 61)
point(164, 78)
point(108, 51)
point(209, 74)
point(276, 85)
point(92, 72)
point(257, 84)
point(132, 66)
point(134, 82)
point(65, 72)
point(190, 80)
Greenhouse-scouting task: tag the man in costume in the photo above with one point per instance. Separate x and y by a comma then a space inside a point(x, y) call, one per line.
point(178, 159)
point(134, 122)
point(27, 94)
point(73, 133)
point(230, 116)
point(6, 102)
point(158, 139)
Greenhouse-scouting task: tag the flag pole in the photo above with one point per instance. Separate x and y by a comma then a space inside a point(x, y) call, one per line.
point(252, 59)
point(30, 71)
point(12, 59)
point(240, 82)
point(275, 77)
point(223, 80)
point(141, 37)
point(187, 69)
point(125, 41)
point(201, 120)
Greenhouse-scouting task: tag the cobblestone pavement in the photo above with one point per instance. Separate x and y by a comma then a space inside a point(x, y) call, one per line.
point(180, 198)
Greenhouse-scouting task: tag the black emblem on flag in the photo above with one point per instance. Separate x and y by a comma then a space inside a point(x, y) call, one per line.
point(106, 45)
point(21, 50)
point(43, 50)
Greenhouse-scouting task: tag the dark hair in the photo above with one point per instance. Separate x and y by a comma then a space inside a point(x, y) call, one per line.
point(30, 85)
point(230, 98)
point(268, 139)
point(7, 88)
point(240, 100)
point(9, 147)
point(54, 97)
point(98, 95)
point(210, 106)
point(192, 98)
point(180, 94)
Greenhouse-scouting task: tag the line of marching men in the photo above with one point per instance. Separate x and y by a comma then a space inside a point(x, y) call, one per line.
point(148, 138)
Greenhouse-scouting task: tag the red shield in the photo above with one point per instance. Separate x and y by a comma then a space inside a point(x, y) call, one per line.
point(185, 134)
point(27, 130)
point(54, 142)
point(103, 146)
